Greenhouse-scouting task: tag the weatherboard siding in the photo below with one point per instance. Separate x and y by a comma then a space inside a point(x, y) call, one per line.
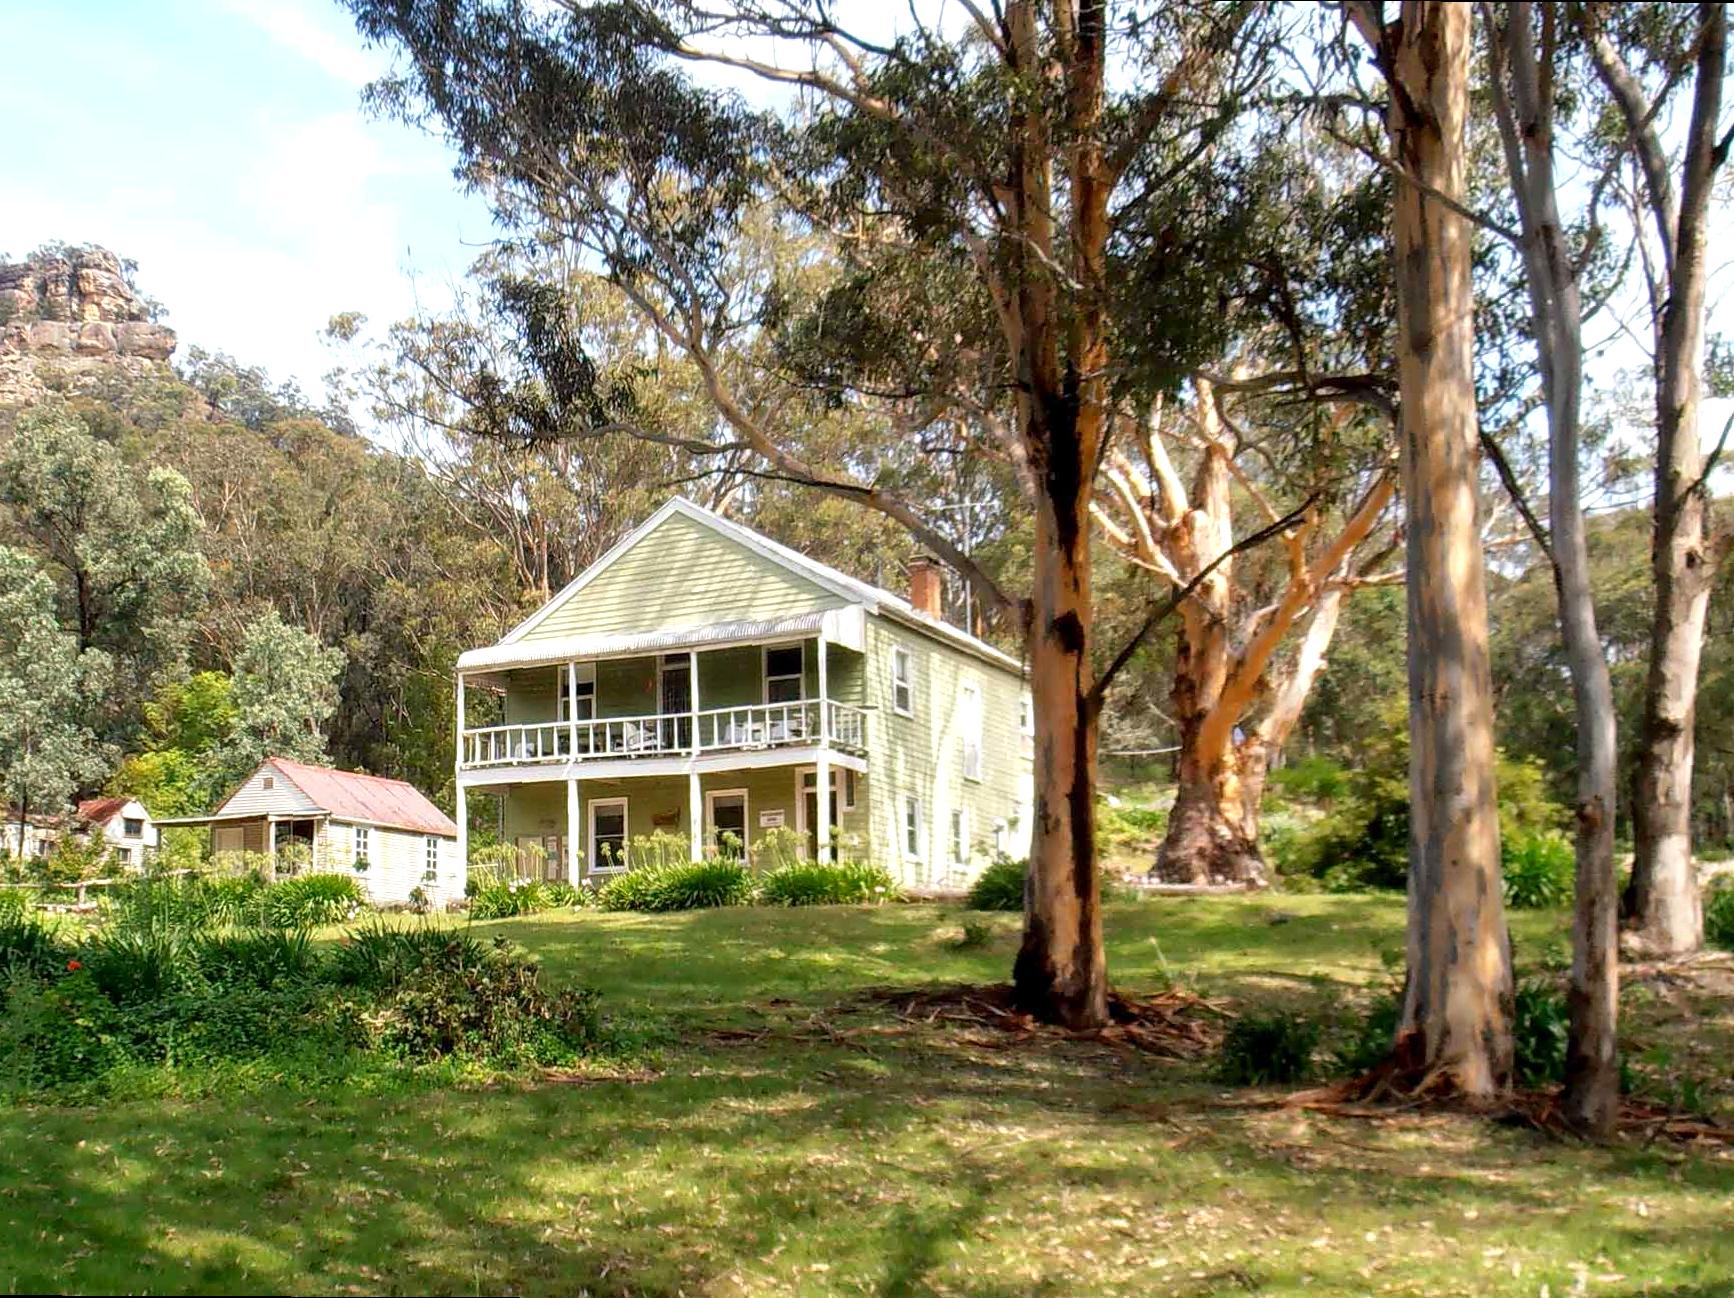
point(923, 755)
point(254, 799)
point(681, 574)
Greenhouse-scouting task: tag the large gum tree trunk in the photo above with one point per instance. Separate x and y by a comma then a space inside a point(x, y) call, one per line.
point(1061, 972)
point(1455, 1025)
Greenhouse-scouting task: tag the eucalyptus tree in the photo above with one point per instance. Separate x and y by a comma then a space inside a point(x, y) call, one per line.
point(1531, 70)
point(48, 685)
point(1649, 58)
point(1045, 159)
point(1456, 1020)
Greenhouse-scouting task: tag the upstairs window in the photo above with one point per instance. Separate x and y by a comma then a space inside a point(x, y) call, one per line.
point(269, 782)
point(132, 827)
point(970, 722)
point(784, 680)
point(902, 681)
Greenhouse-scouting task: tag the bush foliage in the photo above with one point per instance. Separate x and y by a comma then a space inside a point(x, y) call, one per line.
point(1719, 914)
point(1271, 1050)
point(1000, 886)
point(686, 885)
point(815, 883)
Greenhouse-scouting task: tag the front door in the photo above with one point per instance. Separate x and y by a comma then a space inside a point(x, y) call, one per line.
point(810, 809)
point(676, 701)
point(728, 822)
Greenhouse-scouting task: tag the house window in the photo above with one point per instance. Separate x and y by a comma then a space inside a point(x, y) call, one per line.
point(902, 681)
point(848, 778)
point(1026, 714)
point(959, 836)
point(911, 825)
point(971, 732)
point(784, 680)
point(132, 827)
point(361, 843)
point(582, 693)
point(727, 810)
point(607, 835)
point(431, 857)
point(269, 782)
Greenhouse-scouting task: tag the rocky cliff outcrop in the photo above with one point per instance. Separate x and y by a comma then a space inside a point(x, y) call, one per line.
point(68, 318)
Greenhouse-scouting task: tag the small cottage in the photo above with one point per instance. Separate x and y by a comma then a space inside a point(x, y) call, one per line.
point(383, 832)
point(122, 825)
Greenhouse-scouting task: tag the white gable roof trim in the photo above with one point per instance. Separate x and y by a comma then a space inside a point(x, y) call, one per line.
point(872, 598)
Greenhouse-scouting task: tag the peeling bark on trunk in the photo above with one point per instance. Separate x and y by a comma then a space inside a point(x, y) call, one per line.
point(1526, 127)
point(1662, 903)
point(1061, 970)
point(1455, 1023)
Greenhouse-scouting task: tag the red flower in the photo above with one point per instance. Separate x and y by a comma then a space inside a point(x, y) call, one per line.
point(73, 966)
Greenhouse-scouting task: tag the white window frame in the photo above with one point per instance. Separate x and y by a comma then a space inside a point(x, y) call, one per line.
point(710, 797)
point(799, 677)
point(904, 680)
point(594, 858)
point(585, 678)
point(359, 839)
point(960, 836)
point(430, 857)
point(1026, 714)
point(126, 826)
point(970, 731)
point(839, 786)
point(909, 818)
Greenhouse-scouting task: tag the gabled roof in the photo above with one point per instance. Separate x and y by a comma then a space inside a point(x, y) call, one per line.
point(872, 598)
point(370, 799)
point(99, 811)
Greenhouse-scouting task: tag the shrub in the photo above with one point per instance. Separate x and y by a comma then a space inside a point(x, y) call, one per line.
point(816, 883)
point(498, 897)
point(134, 964)
point(30, 945)
point(1312, 779)
point(428, 993)
point(976, 934)
point(312, 900)
point(58, 1033)
point(694, 885)
point(1000, 886)
point(1539, 1031)
point(1719, 914)
point(1267, 1050)
point(1538, 869)
point(1374, 1034)
point(561, 895)
point(1125, 828)
point(188, 902)
point(261, 960)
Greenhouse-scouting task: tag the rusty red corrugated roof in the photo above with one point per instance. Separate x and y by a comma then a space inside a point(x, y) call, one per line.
point(99, 811)
point(371, 799)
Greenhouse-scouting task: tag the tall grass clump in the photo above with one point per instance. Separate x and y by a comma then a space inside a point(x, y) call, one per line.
point(1267, 1050)
point(1538, 869)
point(818, 883)
point(692, 885)
point(1719, 914)
point(312, 900)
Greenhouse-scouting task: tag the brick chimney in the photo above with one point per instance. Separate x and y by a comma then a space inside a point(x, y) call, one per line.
point(926, 586)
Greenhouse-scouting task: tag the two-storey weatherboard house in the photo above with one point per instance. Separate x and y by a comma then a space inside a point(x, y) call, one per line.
point(704, 681)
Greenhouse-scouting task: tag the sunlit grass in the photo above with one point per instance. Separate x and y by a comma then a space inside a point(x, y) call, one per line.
point(804, 1158)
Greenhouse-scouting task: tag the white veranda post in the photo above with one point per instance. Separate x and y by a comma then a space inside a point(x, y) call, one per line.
point(572, 831)
point(463, 810)
point(694, 798)
point(822, 773)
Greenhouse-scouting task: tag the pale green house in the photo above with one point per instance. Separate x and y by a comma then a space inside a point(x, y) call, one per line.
point(703, 681)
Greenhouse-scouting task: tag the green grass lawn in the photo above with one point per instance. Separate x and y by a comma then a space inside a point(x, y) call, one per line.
point(782, 1136)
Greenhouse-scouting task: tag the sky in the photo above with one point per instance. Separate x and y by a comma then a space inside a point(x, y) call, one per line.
point(221, 145)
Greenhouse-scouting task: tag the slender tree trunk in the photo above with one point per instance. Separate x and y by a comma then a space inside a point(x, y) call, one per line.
point(1061, 972)
point(1456, 1010)
point(1592, 1090)
point(1662, 905)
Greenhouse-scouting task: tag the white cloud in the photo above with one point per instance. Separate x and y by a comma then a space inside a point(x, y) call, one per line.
point(292, 25)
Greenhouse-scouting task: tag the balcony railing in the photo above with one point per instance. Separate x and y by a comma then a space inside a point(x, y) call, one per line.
point(758, 726)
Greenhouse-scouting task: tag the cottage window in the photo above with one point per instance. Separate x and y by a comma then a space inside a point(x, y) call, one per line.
point(911, 825)
point(361, 845)
point(902, 681)
point(971, 725)
point(608, 834)
point(431, 854)
point(784, 678)
point(132, 827)
point(269, 782)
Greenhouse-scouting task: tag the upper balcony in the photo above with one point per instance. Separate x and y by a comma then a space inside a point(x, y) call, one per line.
point(753, 727)
point(747, 699)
